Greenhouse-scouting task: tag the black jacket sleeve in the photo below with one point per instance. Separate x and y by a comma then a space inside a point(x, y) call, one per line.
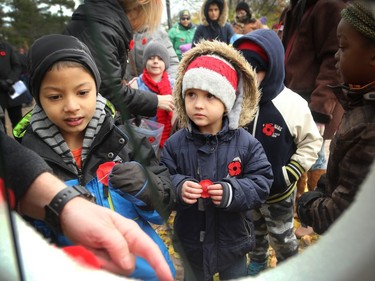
point(110, 55)
point(19, 166)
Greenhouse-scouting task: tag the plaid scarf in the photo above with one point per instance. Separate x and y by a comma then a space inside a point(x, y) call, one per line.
point(51, 135)
point(163, 87)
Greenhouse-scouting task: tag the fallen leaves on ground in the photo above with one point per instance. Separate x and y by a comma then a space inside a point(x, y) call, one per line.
point(165, 232)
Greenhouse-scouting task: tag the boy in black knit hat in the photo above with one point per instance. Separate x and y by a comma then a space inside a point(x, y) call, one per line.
point(72, 128)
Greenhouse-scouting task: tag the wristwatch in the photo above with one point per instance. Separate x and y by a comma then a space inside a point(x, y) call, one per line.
point(54, 208)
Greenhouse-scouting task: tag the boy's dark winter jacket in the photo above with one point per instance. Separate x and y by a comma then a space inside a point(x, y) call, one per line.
point(228, 231)
point(213, 238)
point(111, 144)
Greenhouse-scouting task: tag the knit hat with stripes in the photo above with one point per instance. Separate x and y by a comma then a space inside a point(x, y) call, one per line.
point(213, 74)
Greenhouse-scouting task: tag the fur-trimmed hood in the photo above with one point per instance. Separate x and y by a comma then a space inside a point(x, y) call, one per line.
point(247, 94)
point(224, 10)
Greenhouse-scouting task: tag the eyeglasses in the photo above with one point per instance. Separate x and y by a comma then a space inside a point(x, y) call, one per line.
point(185, 18)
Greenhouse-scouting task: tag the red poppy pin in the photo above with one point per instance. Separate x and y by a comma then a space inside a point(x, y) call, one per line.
point(268, 129)
point(151, 139)
point(3, 53)
point(103, 172)
point(144, 41)
point(131, 45)
point(234, 168)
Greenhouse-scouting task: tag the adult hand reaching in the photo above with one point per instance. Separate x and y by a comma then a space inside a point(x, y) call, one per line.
point(114, 239)
point(166, 102)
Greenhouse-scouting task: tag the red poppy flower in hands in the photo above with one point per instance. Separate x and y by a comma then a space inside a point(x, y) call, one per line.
point(204, 184)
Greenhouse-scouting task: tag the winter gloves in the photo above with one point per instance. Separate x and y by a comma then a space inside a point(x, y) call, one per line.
point(6, 86)
point(131, 181)
point(306, 199)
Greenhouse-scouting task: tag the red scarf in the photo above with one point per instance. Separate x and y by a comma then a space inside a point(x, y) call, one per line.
point(163, 87)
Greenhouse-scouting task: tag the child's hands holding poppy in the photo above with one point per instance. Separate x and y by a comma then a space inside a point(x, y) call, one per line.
point(215, 192)
point(190, 192)
point(218, 192)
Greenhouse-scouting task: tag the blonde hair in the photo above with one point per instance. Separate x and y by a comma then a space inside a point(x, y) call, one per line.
point(146, 14)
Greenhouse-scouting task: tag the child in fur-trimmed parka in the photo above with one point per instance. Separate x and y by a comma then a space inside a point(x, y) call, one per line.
point(214, 16)
point(285, 127)
point(72, 128)
point(219, 170)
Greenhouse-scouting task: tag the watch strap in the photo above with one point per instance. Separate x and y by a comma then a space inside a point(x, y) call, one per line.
point(55, 207)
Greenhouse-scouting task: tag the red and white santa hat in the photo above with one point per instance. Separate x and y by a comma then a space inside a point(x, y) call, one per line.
point(213, 74)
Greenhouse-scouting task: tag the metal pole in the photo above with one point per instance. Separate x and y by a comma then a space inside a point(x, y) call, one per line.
point(168, 6)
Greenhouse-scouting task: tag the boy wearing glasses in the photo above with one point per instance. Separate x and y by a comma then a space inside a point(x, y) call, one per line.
point(182, 33)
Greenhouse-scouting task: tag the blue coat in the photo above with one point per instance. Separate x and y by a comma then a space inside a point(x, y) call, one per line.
point(228, 232)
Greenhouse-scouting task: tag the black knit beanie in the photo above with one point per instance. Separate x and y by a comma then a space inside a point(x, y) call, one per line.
point(243, 6)
point(156, 48)
point(244, 19)
point(48, 50)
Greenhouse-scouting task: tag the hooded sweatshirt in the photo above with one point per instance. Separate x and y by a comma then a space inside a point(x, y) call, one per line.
point(210, 30)
point(283, 124)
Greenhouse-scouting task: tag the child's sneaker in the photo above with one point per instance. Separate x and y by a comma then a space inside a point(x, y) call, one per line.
point(256, 267)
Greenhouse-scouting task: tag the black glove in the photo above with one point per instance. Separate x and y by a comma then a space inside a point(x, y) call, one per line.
point(130, 178)
point(6, 85)
point(322, 183)
point(303, 205)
